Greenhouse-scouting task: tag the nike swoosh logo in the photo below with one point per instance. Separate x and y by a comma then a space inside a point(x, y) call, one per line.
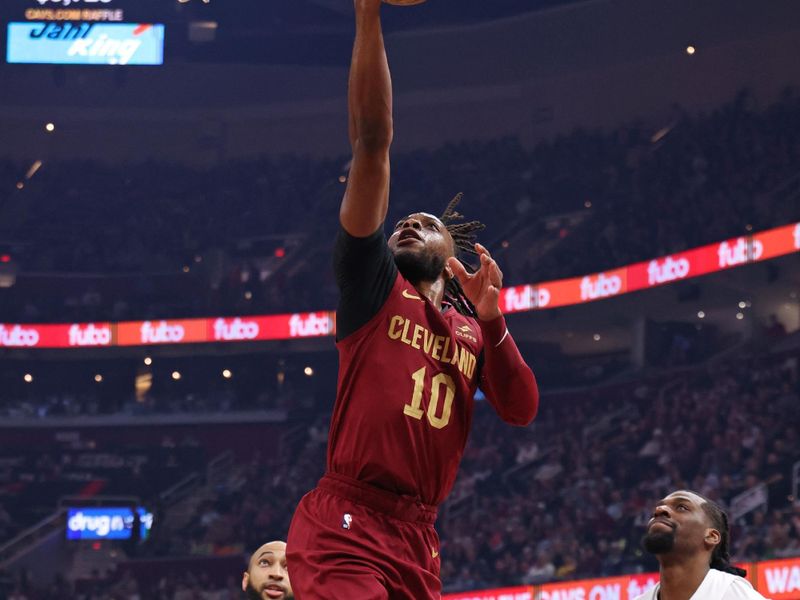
point(410, 296)
point(434, 553)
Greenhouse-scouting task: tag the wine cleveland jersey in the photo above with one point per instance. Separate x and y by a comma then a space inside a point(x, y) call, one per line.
point(407, 377)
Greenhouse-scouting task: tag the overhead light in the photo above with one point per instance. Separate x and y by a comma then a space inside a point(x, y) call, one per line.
point(28, 378)
point(98, 378)
point(50, 128)
point(740, 316)
point(587, 204)
point(148, 361)
point(226, 373)
point(176, 375)
point(185, 268)
point(248, 295)
point(342, 178)
point(701, 314)
point(203, 31)
point(660, 134)
point(308, 371)
point(742, 304)
point(20, 185)
point(37, 164)
point(596, 337)
point(690, 50)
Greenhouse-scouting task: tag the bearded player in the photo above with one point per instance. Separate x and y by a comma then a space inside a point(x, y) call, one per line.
point(266, 577)
point(416, 334)
point(689, 536)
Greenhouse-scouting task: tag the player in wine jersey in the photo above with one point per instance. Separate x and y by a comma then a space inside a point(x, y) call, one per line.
point(414, 345)
point(690, 537)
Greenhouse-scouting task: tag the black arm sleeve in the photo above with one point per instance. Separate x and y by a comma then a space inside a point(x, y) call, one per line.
point(365, 273)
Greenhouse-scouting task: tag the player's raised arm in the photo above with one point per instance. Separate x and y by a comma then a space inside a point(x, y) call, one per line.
point(509, 383)
point(370, 111)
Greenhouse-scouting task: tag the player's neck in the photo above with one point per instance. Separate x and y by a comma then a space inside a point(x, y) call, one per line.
point(679, 579)
point(432, 290)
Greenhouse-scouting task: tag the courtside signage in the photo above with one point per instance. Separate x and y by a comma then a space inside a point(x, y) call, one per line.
point(609, 588)
point(85, 43)
point(779, 579)
point(775, 579)
point(515, 593)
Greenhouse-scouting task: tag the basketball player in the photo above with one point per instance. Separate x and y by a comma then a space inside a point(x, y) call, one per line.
point(266, 577)
point(414, 344)
point(689, 536)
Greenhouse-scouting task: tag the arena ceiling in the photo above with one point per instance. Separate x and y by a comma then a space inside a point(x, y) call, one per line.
point(315, 32)
point(289, 32)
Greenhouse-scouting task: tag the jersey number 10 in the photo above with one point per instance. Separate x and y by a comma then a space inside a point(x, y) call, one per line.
point(415, 408)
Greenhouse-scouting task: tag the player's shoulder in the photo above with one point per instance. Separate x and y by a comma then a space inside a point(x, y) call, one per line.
point(741, 589)
point(735, 587)
point(650, 594)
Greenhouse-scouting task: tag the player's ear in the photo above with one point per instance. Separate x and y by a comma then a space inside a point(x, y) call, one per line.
point(245, 580)
point(712, 538)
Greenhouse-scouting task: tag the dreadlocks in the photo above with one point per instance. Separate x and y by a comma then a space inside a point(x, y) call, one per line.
point(720, 558)
point(464, 237)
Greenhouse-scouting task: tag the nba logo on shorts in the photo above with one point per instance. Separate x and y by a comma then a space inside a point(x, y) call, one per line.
point(346, 520)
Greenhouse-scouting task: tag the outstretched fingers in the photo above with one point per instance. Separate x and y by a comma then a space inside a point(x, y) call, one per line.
point(489, 267)
point(459, 272)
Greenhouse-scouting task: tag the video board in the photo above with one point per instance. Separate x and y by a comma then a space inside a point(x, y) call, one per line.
point(84, 32)
point(106, 523)
point(85, 43)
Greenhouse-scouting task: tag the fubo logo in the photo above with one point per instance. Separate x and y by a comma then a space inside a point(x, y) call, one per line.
point(526, 297)
point(89, 335)
point(601, 286)
point(668, 270)
point(235, 330)
point(18, 336)
point(161, 333)
point(734, 254)
point(312, 325)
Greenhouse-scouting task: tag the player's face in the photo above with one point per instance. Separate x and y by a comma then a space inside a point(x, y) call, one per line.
point(421, 246)
point(266, 577)
point(680, 524)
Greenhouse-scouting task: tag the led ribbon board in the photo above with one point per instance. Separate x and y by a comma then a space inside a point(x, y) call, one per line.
point(83, 43)
point(696, 262)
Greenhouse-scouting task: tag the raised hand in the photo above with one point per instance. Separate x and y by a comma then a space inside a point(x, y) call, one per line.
point(482, 287)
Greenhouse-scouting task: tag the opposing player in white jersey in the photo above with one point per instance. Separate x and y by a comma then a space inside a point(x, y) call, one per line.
point(689, 536)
